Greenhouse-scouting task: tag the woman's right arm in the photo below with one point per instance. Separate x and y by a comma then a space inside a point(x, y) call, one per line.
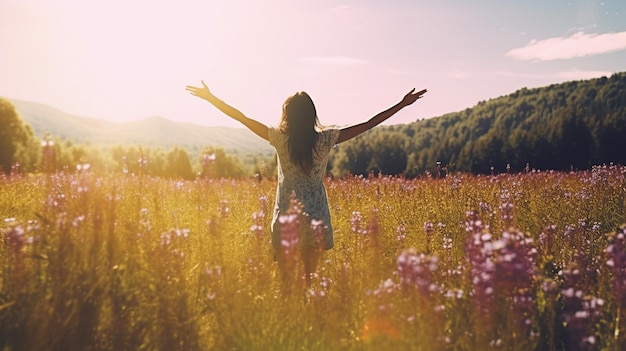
point(350, 132)
point(255, 126)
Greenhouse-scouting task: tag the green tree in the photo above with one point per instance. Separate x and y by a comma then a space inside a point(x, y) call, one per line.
point(390, 155)
point(216, 163)
point(356, 155)
point(16, 139)
point(178, 164)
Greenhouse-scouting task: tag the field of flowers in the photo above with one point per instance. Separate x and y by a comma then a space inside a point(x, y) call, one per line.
point(533, 261)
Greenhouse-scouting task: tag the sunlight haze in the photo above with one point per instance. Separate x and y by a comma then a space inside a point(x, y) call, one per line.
point(126, 60)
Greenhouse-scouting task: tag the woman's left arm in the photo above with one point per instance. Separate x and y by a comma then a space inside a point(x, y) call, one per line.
point(255, 126)
point(352, 131)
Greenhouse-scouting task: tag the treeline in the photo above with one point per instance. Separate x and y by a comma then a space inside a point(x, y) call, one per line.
point(22, 152)
point(572, 125)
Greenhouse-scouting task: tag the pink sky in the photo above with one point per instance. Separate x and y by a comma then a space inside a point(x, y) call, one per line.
point(125, 60)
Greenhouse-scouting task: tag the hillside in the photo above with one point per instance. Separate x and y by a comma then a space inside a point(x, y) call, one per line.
point(571, 125)
point(152, 131)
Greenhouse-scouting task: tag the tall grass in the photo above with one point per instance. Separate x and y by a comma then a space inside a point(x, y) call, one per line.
point(506, 262)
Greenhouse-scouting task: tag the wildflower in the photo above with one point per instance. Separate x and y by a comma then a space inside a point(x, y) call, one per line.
point(417, 270)
point(454, 294)
point(485, 208)
point(259, 218)
point(124, 165)
point(428, 230)
point(506, 209)
point(616, 261)
point(214, 271)
point(83, 167)
point(77, 220)
point(263, 204)
point(497, 342)
point(473, 224)
point(546, 238)
point(506, 212)
point(142, 161)
point(447, 246)
point(355, 223)
point(14, 235)
point(503, 266)
point(401, 233)
point(456, 183)
point(144, 222)
point(166, 239)
point(322, 287)
point(318, 228)
point(289, 232)
point(172, 239)
point(223, 208)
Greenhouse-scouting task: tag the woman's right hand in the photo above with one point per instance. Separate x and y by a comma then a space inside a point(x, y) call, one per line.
point(201, 92)
point(411, 97)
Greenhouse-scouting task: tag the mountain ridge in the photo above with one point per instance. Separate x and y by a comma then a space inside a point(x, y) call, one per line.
point(149, 131)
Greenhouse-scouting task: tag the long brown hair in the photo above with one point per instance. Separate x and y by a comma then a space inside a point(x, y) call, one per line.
point(299, 121)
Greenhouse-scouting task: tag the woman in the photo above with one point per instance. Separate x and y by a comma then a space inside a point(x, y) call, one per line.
point(302, 147)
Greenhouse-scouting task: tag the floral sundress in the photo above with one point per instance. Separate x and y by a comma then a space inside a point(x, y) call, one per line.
point(308, 188)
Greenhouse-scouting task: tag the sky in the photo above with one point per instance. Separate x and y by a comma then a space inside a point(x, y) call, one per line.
point(124, 60)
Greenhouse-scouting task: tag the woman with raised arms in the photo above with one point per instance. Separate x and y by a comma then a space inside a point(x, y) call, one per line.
point(302, 147)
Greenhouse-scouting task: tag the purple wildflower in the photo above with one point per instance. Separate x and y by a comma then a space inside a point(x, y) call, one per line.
point(485, 209)
point(401, 233)
point(502, 266)
point(289, 237)
point(429, 231)
point(417, 270)
point(580, 312)
point(223, 209)
point(14, 235)
point(318, 228)
point(142, 161)
point(546, 239)
point(473, 224)
point(506, 209)
point(259, 217)
point(355, 223)
point(382, 293)
point(616, 252)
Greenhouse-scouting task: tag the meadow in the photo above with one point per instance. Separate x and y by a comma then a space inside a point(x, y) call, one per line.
point(530, 261)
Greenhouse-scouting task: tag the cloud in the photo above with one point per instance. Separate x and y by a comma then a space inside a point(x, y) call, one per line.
point(578, 44)
point(332, 60)
point(457, 73)
point(339, 8)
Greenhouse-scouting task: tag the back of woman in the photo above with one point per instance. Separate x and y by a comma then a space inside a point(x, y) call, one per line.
point(308, 187)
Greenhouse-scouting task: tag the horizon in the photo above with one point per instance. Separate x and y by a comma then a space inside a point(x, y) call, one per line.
point(240, 126)
point(126, 61)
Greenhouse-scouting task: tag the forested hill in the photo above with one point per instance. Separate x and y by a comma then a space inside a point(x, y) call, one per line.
point(573, 125)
